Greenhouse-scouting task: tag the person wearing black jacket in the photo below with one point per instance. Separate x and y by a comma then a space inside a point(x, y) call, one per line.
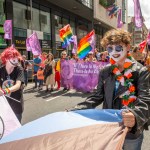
point(123, 84)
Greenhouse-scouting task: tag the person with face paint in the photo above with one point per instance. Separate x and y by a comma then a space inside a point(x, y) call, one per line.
point(123, 84)
point(12, 80)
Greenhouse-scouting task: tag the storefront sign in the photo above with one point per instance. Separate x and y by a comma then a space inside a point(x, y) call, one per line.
point(20, 42)
point(59, 45)
point(46, 44)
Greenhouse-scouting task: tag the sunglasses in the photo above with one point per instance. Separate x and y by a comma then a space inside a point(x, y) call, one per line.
point(118, 48)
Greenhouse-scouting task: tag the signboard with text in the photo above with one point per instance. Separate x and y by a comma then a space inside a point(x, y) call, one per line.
point(46, 44)
point(20, 42)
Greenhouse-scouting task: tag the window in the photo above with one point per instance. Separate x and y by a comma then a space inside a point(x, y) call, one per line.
point(20, 15)
point(72, 24)
point(58, 26)
point(106, 3)
point(20, 32)
point(45, 21)
point(88, 3)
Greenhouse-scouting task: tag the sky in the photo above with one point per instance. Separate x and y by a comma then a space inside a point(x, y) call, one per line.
point(145, 7)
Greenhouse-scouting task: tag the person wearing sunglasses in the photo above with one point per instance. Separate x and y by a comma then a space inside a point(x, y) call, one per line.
point(123, 84)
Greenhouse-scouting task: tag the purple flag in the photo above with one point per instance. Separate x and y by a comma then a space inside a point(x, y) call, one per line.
point(28, 45)
point(119, 22)
point(33, 43)
point(8, 29)
point(74, 41)
point(92, 42)
point(148, 38)
point(138, 18)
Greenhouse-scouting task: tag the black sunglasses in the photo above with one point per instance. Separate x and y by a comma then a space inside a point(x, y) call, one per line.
point(118, 48)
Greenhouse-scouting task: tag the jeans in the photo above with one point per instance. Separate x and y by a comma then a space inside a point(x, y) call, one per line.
point(26, 77)
point(133, 144)
point(40, 83)
point(35, 79)
point(19, 117)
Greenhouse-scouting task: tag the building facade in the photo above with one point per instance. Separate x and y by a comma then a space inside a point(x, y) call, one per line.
point(138, 34)
point(48, 16)
point(102, 20)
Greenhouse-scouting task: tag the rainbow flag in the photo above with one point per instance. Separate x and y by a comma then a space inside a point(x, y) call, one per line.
point(65, 35)
point(86, 44)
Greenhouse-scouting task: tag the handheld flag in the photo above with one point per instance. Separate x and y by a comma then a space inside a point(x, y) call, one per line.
point(65, 35)
point(33, 44)
point(142, 45)
point(86, 44)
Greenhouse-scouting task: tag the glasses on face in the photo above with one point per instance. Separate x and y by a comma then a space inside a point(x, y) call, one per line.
point(118, 48)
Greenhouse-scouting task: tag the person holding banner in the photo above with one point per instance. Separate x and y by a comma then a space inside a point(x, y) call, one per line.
point(90, 57)
point(12, 79)
point(124, 84)
point(58, 68)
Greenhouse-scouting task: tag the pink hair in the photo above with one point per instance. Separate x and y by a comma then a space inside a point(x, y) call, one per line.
point(9, 53)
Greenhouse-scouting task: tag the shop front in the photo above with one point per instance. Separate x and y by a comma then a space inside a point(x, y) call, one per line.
point(20, 44)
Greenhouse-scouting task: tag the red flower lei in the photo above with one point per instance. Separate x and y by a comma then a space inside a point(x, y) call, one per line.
point(125, 79)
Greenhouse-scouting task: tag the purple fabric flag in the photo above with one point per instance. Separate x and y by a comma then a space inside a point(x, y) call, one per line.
point(119, 22)
point(138, 18)
point(92, 42)
point(74, 41)
point(8, 29)
point(34, 44)
point(28, 45)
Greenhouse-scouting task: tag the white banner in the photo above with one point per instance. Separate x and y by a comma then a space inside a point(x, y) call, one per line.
point(11, 123)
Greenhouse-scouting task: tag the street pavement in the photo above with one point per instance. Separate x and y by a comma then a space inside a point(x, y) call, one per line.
point(38, 104)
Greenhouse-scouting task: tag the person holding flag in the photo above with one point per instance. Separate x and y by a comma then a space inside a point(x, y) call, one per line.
point(124, 84)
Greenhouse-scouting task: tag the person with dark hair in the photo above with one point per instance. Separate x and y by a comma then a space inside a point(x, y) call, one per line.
point(124, 84)
point(25, 64)
point(12, 80)
point(137, 55)
point(40, 77)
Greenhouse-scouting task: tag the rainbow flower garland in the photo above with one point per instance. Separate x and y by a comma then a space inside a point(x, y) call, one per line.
point(125, 79)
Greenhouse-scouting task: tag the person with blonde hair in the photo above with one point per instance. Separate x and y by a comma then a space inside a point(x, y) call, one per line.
point(58, 66)
point(49, 72)
point(124, 84)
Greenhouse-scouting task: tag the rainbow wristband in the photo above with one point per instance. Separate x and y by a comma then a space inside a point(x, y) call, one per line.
point(6, 91)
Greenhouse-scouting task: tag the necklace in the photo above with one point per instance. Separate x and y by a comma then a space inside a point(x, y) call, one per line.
point(125, 80)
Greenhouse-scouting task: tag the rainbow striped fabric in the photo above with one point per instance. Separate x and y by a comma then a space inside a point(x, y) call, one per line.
point(65, 35)
point(85, 45)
